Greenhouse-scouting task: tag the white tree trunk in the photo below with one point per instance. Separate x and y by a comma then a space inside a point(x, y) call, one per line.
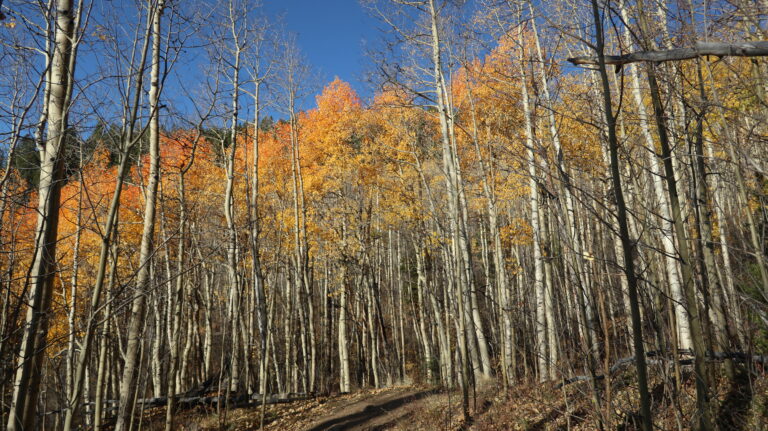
point(22, 414)
point(667, 227)
point(538, 264)
point(128, 380)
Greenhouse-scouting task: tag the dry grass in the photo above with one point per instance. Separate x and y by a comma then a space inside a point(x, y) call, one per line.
point(742, 405)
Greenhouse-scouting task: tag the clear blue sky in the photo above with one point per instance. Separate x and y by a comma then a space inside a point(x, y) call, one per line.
point(331, 34)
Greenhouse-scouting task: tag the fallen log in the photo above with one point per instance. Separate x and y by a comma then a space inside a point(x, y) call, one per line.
point(186, 402)
point(700, 49)
point(739, 357)
point(232, 400)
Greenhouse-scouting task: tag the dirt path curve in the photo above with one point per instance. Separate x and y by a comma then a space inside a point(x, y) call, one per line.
point(372, 413)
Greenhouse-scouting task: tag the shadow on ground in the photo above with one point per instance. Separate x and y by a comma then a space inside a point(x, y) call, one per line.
point(734, 412)
point(368, 413)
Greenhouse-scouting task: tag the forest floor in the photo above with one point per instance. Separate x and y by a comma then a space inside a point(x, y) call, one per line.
point(742, 405)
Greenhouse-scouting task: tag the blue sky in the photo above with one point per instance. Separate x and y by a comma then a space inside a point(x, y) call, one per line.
point(332, 35)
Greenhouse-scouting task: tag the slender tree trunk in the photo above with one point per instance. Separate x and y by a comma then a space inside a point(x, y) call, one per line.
point(71, 317)
point(102, 377)
point(421, 287)
point(255, 226)
point(128, 142)
point(344, 382)
point(23, 409)
point(176, 306)
point(229, 216)
point(627, 243)
point(539, 287)
point(689, 289)
point(667, 228)
point(462, 277)
point(713, 290)
point(128, 381)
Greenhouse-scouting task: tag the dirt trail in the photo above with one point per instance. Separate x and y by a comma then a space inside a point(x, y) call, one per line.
point(372, 413)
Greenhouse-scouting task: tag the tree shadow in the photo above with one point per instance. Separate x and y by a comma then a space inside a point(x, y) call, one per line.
point(576, 417)
point(734, 411)
point(370, 412)
point(633, 420)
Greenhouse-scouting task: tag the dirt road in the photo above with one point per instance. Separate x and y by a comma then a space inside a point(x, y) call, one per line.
point(376, 412)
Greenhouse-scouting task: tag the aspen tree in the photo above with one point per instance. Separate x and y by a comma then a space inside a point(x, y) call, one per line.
point(626, 242)
point(689, 289)
point(128, 384)
point(129, 139)
point(667, 237)
point(59, 97)
point(542, 357)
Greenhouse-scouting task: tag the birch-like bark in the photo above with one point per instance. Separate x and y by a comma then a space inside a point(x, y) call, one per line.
point(128, 380)
point(229, 210)
point(70, 361)
point(176, 298)
point(101, 376)
point(344, 377)
point(689, 289)
point(667, 229)
point(421, 287)
point(539, 289)
point(461, 269)
point(22, 413)
point(128, 141)
point(255, 229)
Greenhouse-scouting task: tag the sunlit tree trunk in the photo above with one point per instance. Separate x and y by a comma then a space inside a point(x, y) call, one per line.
point(255, 228)
point(176, 301)
point(539, 288)
point(667, 228)
point(689, 289)
point(344, 377)
point(128, 380)
point(421, 287)
point(462, 270)
point(101, 376)
point(128, 141)
point(229, 215)
point(72, 300)
point(22, 414)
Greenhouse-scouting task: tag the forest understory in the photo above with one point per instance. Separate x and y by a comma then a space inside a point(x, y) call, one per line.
point(739, 405)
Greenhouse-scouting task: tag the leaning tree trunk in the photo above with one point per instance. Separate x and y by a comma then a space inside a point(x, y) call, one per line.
point(108, 234)
point(22, 413)
point(454, 201)
point(539, 288)
point(667, 228)
point(128, 380)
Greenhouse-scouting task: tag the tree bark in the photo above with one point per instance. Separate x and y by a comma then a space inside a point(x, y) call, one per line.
point(33, 345)
point(128, 380)
point(700, 49)
point(627, 243)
